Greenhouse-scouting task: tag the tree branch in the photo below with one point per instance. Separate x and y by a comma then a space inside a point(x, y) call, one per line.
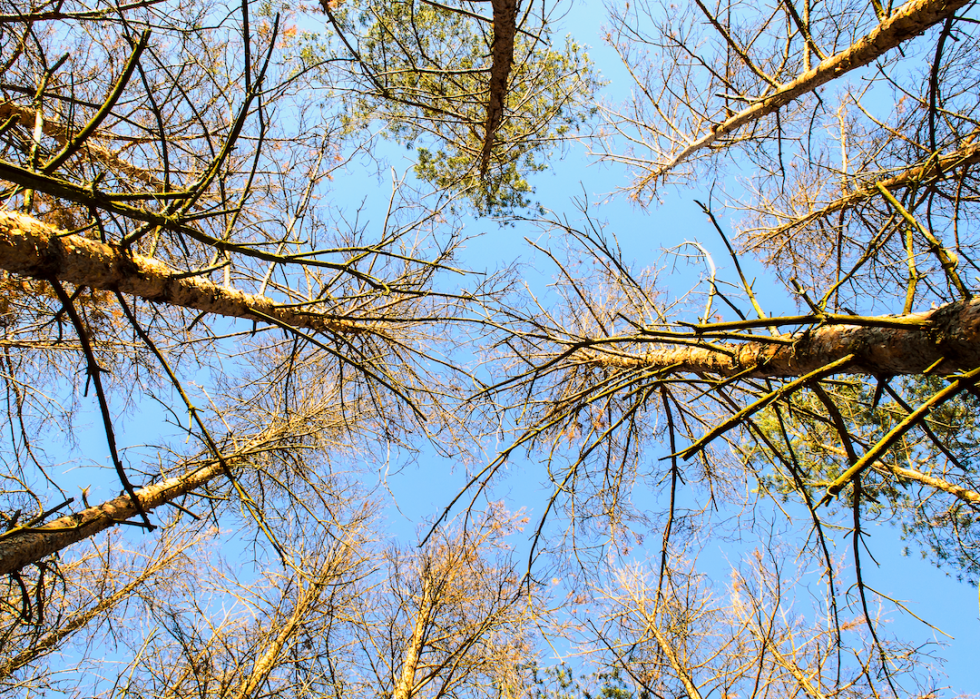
point(31, 248)
point(944, 341)
point(910, 20)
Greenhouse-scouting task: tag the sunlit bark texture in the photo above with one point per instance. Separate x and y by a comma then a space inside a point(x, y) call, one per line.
point(945, 340)
point(30, 248)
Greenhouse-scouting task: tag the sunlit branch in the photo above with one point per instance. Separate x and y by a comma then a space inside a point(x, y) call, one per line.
point(907, 22)
point(32, 248)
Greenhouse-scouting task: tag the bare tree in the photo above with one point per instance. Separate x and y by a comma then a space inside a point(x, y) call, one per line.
point(681, 635)
point(153, 194)
point(216, 632)
point(161, 242)
point(863, 209)
point(454, 617)
point(82, 603)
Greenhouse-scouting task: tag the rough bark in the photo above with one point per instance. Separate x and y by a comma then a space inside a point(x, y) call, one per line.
point(31, 248)
point(22, 546)
point(945, 340)
point(908, 21)
point(504, 33)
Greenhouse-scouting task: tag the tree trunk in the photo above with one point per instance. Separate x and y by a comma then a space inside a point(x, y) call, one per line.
point(34, 249)
point(945, 341)
point(504, 33)
point(269, 659)
point(24, 545)
point(405, 684)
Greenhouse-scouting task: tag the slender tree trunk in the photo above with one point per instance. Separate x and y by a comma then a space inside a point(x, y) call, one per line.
point(682, 672)
point(34, 249)
point(504, 33)
point(945, 340)
point(787, 664)
point(23, 545)
point(268, 660)
point(405, 684)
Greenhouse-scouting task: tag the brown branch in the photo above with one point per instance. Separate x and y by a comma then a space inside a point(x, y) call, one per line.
point(927, 173)
point(504, 32)
point(60, 134)
point(944, 340)
point(971, 497)
point(907, 22)
point(22, 546)
point(31, 248)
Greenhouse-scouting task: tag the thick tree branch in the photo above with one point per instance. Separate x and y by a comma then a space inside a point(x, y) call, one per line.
point(22, 546)
point(971, 497)
point(945, 341)
point(31, 248)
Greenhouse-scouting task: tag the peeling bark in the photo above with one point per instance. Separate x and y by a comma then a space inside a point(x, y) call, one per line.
point(31, 248)
point(504, 33)
point(946, 339)
point(22, 546)
point(907, 22)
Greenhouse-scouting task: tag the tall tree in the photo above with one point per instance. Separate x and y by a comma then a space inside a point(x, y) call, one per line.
point(861, 205)
point(148, 259)
point(455, 617)
point(482, 90)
